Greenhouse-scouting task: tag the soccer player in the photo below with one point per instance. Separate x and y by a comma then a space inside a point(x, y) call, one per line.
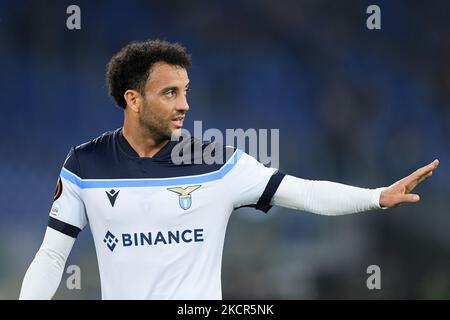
point(159, 227)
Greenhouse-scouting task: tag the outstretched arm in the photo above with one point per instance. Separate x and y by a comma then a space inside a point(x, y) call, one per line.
point(331, 198)
point(44, 274)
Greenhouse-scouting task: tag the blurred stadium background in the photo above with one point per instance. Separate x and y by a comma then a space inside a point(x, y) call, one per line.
point(355, 106)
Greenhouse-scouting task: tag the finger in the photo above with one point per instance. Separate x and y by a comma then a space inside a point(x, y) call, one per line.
point(411, 185)
point(426, 169)
point(419, 173)
point(429, 174)
point(410, 197)
point(435, 163)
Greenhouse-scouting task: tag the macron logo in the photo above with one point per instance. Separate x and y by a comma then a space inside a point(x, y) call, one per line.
point(112, 196)
point(110, 240)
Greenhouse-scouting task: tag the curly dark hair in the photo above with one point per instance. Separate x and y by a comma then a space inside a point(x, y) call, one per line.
point(131, 66)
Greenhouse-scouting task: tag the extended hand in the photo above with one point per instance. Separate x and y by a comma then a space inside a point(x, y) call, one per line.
point(399, 192)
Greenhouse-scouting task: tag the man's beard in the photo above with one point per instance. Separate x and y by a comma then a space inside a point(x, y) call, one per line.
point(176, 134)
point(156, 127)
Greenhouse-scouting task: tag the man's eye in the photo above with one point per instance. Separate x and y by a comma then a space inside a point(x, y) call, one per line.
point(170, 93)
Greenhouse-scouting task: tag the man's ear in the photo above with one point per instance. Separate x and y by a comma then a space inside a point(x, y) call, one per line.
point(133, 99)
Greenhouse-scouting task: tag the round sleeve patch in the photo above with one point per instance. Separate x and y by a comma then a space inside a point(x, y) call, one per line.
point(58, 191)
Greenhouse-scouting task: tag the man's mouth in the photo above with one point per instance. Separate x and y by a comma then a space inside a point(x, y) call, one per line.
point(178, 121)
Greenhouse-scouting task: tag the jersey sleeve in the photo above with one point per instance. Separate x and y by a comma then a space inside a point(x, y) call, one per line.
point(252, 183)
point(68, 213)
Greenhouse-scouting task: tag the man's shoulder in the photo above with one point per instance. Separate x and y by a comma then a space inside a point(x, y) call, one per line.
point(99, 144)
point(95, 149)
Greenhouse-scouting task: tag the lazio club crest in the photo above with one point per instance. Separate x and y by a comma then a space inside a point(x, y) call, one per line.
point(184, 195)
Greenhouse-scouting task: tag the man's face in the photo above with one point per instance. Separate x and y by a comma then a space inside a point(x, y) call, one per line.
point(165, 103)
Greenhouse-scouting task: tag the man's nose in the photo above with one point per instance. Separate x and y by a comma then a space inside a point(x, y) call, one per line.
point(183, 105)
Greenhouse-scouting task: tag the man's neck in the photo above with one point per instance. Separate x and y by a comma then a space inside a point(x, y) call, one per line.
point(142, 142)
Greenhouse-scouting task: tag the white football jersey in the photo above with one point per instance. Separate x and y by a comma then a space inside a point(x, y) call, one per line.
point(158, 227)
